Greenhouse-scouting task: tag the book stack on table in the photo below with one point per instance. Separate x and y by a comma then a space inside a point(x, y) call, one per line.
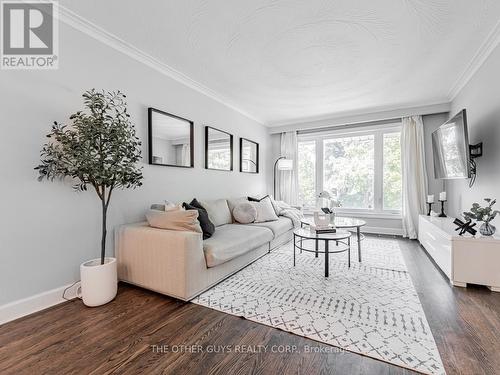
point(323, 229)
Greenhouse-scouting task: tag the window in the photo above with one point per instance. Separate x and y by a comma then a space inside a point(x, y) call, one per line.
point(348, 170)
point(360, 167)
point(392, 171)
point(307, 173)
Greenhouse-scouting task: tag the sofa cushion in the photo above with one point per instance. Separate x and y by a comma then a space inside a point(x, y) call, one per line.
point(232, 240)
point(218, 211)
point(278, 227)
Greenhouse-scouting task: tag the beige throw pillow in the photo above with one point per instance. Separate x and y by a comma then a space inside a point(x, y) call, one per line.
point(218, 211)
point(181, 220)
point(233, 202)
point(245, 212)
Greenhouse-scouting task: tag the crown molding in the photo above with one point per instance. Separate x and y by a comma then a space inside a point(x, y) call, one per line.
point(477, 61)
point(355, 117)
point(83, 25)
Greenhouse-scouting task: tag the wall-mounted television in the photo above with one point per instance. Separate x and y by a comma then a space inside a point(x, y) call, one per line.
point(450, 147)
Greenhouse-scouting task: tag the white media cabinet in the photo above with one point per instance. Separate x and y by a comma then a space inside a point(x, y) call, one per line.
point(464, 259)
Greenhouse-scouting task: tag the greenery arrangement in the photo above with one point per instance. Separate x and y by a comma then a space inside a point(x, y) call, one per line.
point(100, 148)
point(479, 213)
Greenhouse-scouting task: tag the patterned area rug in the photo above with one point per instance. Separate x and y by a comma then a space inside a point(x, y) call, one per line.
point(371, 309)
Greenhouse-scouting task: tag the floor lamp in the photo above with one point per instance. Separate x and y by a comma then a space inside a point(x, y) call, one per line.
point(281, 164)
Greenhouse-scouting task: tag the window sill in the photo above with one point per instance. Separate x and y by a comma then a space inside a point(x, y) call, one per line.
point(360, 214)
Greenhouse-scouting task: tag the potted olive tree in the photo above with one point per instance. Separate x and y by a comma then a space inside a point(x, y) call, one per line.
point(100, 151)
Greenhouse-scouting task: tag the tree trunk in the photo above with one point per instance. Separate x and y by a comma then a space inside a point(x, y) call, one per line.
point(104, 230)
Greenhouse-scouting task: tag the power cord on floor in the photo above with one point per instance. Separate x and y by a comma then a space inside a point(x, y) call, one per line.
point(69, 287)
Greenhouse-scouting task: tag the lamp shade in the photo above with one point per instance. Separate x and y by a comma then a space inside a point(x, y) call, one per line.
point(285, 164)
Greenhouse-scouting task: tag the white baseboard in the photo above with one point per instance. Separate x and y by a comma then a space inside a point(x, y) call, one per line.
point(382, 230)
point(26, 306)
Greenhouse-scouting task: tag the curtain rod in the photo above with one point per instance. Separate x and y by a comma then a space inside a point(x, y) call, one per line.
point(349, 126)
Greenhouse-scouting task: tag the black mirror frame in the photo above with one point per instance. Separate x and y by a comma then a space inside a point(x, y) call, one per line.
point(150, 138)
point(206, 149)
point(241, 156)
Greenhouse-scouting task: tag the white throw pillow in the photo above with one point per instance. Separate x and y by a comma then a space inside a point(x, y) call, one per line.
point(277, 210)
point(265, 211)
point(245, 213)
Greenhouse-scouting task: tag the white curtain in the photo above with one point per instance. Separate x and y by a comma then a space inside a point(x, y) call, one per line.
point(288, 186)
point(414, 174)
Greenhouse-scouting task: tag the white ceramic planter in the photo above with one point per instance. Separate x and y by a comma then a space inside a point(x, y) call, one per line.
point(99, 283)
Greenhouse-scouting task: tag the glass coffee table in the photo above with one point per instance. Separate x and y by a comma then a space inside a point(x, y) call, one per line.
point(342, 239)
point(343, 223)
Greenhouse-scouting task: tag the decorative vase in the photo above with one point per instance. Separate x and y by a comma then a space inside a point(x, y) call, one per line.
point(99, 282)
point(332, 219)
point(321, 220)
point(486, 229)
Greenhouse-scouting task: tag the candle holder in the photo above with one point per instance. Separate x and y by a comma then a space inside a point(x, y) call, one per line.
point(442, 214)
point(430, 208)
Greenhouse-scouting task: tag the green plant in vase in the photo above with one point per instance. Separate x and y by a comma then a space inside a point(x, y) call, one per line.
point(485, 215)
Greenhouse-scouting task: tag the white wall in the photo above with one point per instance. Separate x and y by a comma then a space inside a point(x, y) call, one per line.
point(47, 230)
point(481, 98)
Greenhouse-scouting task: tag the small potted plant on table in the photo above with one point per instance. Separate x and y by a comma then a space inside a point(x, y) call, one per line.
point(99, 149)
point(485, 215)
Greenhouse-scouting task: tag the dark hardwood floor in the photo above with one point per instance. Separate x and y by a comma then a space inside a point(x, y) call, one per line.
point(128, 335)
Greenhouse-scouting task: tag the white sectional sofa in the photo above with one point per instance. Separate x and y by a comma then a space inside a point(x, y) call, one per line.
point(181, 264)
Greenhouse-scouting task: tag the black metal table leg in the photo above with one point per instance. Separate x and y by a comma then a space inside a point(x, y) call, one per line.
point(358, 232)
point(326, 259)
point(294, 243)
point(317, 243)
point(349, 252)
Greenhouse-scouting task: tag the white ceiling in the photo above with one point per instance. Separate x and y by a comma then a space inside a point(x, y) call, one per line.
point(284, 61)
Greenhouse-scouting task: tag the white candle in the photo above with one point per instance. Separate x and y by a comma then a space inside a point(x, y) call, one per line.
point(430, 198)
point(442, 196)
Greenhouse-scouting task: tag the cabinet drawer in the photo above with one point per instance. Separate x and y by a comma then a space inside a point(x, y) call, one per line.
point(438, 247)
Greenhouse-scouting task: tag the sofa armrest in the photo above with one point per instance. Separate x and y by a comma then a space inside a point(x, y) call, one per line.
point(159, 259)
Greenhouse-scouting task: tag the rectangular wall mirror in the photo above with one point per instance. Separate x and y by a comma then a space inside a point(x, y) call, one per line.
point(170, 140)
point(249, 156)
point(218, 149)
